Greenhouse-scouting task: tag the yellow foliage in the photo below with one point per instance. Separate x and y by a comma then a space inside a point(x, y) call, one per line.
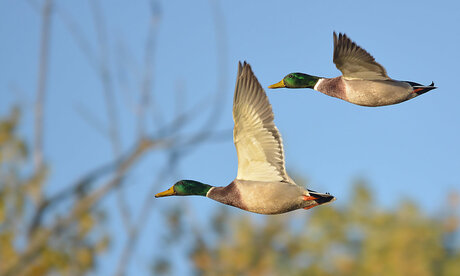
point(33, 185)
point(2, 207)
point(86, 223)
point(69, 251)
point(7, 251)
point(84, 257)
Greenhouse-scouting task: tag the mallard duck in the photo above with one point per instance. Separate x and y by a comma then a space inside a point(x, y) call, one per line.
point(262, 184)
point(363, 81)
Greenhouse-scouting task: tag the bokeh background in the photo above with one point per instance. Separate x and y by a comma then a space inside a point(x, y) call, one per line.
point(105, 103)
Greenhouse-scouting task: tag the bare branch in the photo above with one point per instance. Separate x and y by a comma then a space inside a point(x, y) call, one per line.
point(104, 73)
point(144, 101)
point(125, 63)
point(41, 83)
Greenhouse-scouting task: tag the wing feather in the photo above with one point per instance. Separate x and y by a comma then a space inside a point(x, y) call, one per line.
point(257, 140)
point(354, 62)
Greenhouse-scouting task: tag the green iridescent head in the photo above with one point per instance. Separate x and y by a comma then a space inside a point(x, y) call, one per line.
point(296, 80)
point(186, 187)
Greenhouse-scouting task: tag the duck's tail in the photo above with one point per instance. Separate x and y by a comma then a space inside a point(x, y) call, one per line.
point(420, 89)
point(318, 199)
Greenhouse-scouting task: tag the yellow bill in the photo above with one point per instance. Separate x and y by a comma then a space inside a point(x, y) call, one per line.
point(168, 192)
point(278, 85)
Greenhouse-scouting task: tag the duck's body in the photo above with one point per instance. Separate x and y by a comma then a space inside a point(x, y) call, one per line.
point(262, 184)
point(266, 197)
point(363, 82)
point(370, 93)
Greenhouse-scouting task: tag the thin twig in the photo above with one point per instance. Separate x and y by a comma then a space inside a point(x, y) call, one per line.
point(104, 73)
point(155, 17)
point(41, 83)
point(146, 89)
point(125, 63)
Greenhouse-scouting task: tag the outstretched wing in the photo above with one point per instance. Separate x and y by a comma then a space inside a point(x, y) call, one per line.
point(354, 62)
point(257, 140)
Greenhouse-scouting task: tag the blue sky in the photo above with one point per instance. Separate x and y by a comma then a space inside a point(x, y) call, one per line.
point(410, 150)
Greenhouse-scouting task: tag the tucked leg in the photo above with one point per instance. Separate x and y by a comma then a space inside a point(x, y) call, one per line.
point(307, 198)
point(311, 206)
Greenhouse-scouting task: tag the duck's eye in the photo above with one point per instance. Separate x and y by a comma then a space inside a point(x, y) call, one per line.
point(290, 76)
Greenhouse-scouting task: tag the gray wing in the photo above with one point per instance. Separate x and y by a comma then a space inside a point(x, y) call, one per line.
point(257, 140)
point(354, 62)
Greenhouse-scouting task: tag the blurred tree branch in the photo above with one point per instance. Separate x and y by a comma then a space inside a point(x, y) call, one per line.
point(55, 223)
point(204, 134)
point(105, 76)
point(46, 14)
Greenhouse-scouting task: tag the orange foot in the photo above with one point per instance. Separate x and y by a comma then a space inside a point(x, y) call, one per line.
point(307, 198)
point(311, 206)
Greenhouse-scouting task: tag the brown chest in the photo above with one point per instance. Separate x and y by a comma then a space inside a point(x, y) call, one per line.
point(333, 87)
